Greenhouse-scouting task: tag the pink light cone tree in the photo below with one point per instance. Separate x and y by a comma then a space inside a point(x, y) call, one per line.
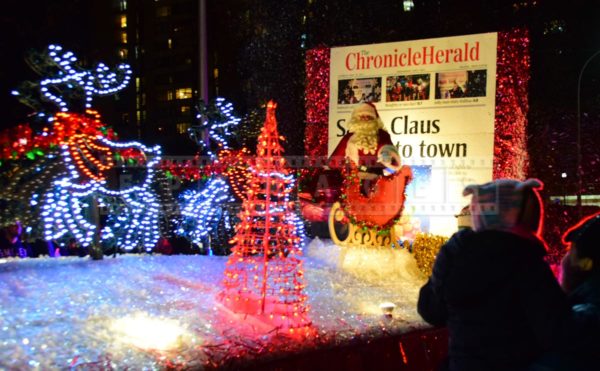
point(264, 275)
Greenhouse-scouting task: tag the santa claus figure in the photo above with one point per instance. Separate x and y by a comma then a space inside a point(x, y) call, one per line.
point(367, 144)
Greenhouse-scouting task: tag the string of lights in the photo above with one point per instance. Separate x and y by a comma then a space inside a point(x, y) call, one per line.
point(264, 275)
point(100, 81)
point(202, 210)
point(217, 120)
point(69, 205)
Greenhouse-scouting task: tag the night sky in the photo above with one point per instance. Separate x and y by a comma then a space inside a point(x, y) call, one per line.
point(259, 46)
point(26, 25)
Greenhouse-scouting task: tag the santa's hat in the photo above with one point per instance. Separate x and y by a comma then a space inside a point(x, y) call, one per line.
point(365, 109)
point(506, 205)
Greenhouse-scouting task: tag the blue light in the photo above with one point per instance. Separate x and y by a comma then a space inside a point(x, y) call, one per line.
point(134, 223)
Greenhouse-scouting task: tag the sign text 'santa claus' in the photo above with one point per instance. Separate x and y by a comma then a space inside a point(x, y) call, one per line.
point(413, 57)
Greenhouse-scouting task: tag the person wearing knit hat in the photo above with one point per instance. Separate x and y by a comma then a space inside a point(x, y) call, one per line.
point(491, 286)
point(507, 205)
point(367, 144)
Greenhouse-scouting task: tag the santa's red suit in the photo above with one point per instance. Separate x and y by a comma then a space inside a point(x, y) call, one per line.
point(372, 143)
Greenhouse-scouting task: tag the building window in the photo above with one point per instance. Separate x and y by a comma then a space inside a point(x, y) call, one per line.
point(185, 109)
point(123, 21)
point(124, 37)
point(183, 93)
point(137, 84)
point(170, 95)
point(163, 11)
point(170, 43)
point(123, 5)
point(408, 5)
point(123, 53)
point(182, 127)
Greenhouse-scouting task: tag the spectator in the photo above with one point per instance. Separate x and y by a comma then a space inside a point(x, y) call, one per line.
point(577, 350)
point(163, 246)
point(456, 91)
point(10, 241)
point(72, 248)
point(395, 92)
point(491, 286)
point(39, 247)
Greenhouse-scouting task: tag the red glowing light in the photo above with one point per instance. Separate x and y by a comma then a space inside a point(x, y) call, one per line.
point(264, 275)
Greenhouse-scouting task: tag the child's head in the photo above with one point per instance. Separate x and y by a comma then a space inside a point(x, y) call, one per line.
point(583, 257)
point(507, 205)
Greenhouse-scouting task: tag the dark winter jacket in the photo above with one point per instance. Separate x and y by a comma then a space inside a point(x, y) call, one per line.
point(578, 346)
point(501, 302)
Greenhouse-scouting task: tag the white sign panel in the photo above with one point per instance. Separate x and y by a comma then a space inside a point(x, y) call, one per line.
point(436, 98)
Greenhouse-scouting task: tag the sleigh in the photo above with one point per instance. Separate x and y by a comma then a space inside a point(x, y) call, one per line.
point(356, 217)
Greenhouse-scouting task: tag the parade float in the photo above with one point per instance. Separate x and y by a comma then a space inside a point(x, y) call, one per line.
point(279, 300)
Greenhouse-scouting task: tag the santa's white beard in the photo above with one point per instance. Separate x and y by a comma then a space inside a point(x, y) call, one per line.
point(364, 136)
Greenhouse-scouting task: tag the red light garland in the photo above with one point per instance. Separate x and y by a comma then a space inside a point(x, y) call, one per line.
point(511, 159)
point(383, 207)
point(18, 141)
point(190, 170)
point(317, 102)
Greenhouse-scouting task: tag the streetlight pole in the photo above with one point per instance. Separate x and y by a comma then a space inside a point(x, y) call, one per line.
point(579, 169)
point(564, 184)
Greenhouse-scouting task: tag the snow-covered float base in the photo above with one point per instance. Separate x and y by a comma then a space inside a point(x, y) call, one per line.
point(157, 311)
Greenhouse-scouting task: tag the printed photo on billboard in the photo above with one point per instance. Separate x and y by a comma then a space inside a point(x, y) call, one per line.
point(460, 84)
point(407, 88)
point(359, 90)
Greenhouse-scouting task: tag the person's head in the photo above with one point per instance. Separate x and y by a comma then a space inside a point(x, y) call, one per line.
point(15, 229)
point(583, 257)
point(507, 205)
point(464, 219)
point(364, 124)
point(356, 88)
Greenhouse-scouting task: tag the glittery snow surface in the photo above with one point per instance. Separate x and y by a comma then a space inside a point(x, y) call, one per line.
point(61, 313)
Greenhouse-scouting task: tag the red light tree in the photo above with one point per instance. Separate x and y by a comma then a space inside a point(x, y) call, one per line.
point(264, 274)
